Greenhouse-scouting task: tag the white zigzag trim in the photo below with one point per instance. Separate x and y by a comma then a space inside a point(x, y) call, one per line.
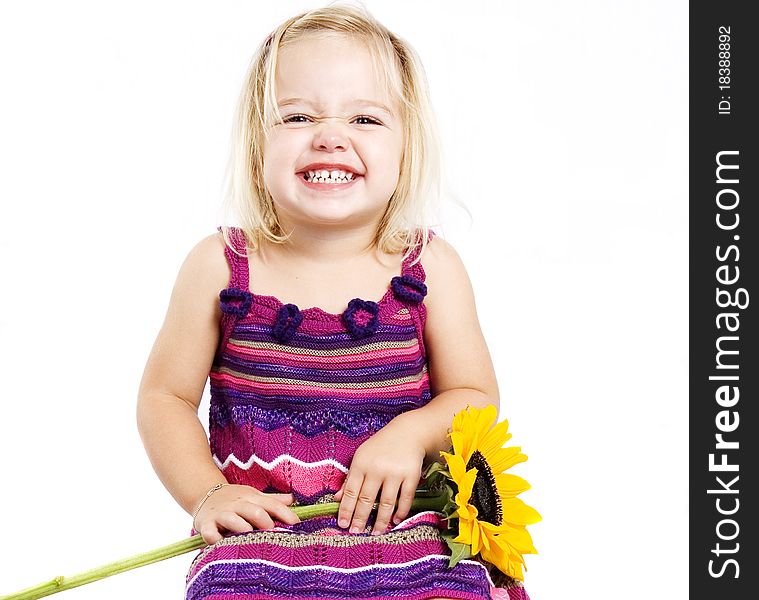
point(240, 561)
point(269, 466)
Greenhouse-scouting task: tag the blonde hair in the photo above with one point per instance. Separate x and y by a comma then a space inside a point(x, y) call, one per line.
point(406, 221)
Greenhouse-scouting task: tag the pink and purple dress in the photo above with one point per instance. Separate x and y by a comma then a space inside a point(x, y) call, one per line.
point(294, 393)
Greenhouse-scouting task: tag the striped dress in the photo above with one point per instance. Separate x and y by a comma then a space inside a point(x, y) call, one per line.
point(294, 393)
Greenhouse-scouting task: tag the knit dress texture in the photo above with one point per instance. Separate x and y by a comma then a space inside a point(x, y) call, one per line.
point(294, 393)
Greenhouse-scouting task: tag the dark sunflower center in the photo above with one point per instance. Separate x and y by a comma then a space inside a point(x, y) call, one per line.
point(484, 493)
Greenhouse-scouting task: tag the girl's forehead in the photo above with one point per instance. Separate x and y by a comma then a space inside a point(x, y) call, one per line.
point(321, 69)
point(323, 44)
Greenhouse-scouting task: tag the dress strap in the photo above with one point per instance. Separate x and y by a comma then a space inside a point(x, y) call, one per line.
point(238, 264)
point(237, 298)
point(411, 289)
point(416, 270)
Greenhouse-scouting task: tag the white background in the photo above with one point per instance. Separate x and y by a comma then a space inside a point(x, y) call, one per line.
point(565, 132)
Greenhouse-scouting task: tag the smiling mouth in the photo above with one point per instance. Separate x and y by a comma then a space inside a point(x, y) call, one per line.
point(324, 176)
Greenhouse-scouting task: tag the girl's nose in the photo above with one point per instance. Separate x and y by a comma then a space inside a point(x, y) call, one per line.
point(331, 137)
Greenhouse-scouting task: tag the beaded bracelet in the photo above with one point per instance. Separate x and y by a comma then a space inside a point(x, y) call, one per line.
point(215, 488)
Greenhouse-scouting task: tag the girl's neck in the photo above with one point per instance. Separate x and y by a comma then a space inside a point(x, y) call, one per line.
point(328, 246)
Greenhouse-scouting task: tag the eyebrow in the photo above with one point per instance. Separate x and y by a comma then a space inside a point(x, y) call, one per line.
point(358, 102)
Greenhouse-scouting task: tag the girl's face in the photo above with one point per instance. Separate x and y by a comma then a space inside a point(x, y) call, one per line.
point(336, 119)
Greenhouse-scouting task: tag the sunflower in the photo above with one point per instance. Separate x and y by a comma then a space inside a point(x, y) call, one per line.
point(491, 519)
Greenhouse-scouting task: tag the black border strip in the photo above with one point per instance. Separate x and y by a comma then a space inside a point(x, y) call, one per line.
point(724, 366)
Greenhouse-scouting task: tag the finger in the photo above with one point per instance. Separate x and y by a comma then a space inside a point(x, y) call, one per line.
point(351, 488)
point(386, 505)
point(256, 515)
point(210, 533)
point(408, 492)
point(233, 523)
point(339, 493)
point(366, 499)
point(277, 504)
point(278, 510)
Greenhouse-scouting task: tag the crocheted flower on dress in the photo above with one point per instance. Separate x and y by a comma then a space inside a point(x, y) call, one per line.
point(288, 319)
point(361, 317)
point(408, 288)
point(235, 301)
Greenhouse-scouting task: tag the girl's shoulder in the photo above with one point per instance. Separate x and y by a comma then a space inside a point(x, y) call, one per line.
point(210, 245)
point(206, 265)
point(443, 267)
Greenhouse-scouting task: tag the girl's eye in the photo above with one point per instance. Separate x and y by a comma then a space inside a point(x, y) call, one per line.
point(366, 120)
point(295, 119)
point(360, 120)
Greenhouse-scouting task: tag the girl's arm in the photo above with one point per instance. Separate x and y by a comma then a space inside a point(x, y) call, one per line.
point(175, 375)
point(460, 368)
point(461, 372)
point(170, 393)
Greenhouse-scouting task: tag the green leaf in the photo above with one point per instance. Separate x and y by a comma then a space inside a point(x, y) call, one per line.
point(451, 525)
point(432, 481)
point(459, 551)
point(438, 483)
point(450, 509)
point(451, 492)
point(433, 468)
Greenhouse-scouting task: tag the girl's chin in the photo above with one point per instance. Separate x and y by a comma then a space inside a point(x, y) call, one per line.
point(329, 211)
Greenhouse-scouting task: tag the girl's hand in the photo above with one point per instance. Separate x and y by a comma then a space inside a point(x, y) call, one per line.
point(241, 508)
point(388, 462)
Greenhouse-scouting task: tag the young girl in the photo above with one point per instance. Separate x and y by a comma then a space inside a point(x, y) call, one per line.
point(340, 335)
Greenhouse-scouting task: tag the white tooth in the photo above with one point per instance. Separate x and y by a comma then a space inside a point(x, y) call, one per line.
point(334, 174)
point(349, 176)
point(324, 174)
point(310, 174)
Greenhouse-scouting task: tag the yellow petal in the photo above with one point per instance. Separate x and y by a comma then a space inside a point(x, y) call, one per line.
point(515, 571)
point(465, 532)
point(485, 415)
point(517, 512)
point(458, 420)
point(467, 483)
point(490, 529)
point(465, 446)
point(464, 509)
point(512, 561)
point(474, 425)
point(465, 490)
point(518, 538)
point(505, 458)
point(495, 438)
point(456, 467)
point(500, 558)
point(493, 555)
point(457, 439)
point(509, 485)
point(484, 419)
point(476, 545)
point(484, 536)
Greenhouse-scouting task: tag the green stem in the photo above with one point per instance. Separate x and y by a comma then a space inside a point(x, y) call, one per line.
point(423, 501)
point(60, 584)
